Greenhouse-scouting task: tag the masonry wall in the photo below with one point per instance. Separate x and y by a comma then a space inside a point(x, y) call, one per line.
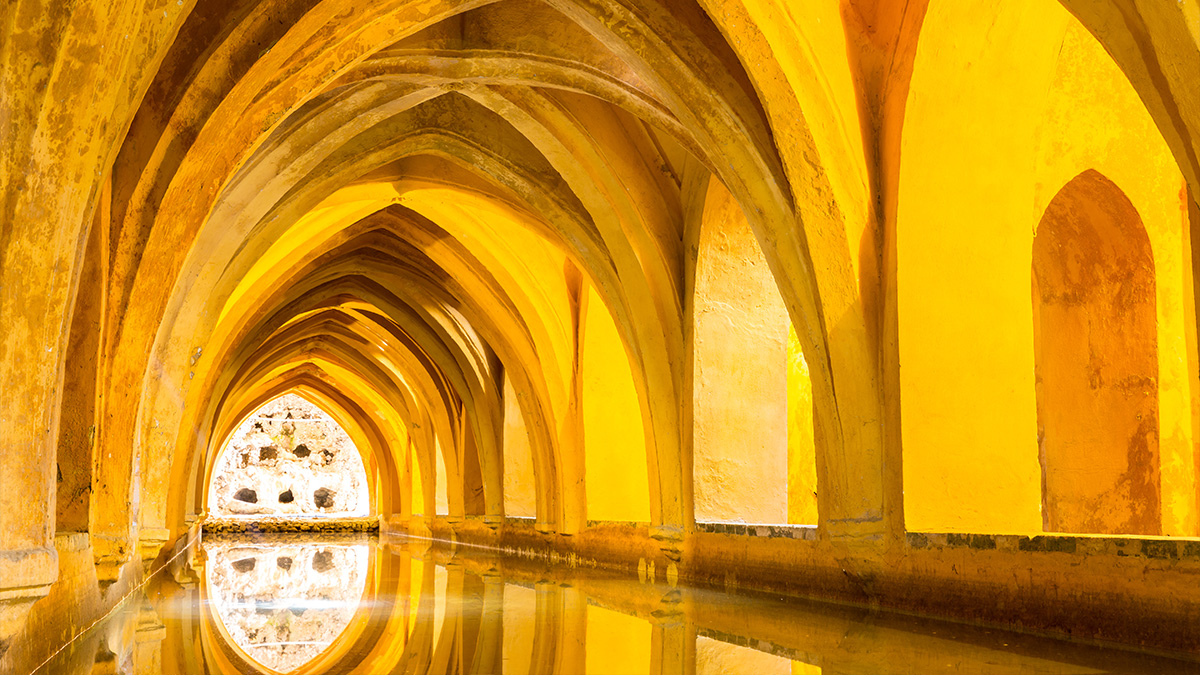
point(289, 458)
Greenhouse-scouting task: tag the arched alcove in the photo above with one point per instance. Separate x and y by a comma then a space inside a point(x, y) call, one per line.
point(1096, 362)
point(289, 458)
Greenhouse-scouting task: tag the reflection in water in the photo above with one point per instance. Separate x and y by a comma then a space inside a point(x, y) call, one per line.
point(715, 656)
point(324, 604)
point(284, 603)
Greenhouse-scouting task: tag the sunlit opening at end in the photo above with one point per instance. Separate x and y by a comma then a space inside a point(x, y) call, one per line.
point(289, 459)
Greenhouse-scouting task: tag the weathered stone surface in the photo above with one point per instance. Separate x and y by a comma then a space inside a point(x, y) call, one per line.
point(290, 458)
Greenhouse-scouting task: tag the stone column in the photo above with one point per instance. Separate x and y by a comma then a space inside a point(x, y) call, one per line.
point(69, 87)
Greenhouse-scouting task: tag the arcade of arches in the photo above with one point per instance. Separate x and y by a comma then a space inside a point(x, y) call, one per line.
point(889, 302)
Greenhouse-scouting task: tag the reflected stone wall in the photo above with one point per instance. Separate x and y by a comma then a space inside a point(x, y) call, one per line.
point(289, 458)
point(285, 603)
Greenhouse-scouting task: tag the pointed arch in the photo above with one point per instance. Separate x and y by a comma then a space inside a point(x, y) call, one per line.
point(1096, 362)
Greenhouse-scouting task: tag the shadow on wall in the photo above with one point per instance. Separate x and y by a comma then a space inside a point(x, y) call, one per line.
point(289, 458)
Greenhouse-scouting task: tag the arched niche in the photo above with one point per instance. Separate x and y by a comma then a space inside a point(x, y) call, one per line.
point(1096, 363)
point(289, 458)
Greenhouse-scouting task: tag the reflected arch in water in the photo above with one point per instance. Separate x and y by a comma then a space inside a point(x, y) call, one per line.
point(289, 458)
point(284, 605)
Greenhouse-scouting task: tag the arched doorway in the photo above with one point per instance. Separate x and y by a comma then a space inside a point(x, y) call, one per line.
point(1096, 363)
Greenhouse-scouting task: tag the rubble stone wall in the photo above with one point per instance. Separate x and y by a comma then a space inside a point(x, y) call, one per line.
point(289, 458)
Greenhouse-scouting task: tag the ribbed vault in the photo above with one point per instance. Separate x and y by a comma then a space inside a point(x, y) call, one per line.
point(398, 208)
point(464, 227)
point(401, 206)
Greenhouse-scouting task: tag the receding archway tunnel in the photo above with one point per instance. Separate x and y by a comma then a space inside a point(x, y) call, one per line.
point(735, 291)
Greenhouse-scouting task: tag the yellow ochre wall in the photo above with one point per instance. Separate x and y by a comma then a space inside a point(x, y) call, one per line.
point(740, 443)
point(520, 498)
point(614, 439)
point(802, 460)
point(1009, 101)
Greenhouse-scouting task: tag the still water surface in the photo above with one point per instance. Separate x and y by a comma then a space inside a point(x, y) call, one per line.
point(347, 604)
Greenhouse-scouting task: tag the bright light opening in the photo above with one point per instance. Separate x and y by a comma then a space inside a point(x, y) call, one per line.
point(289, 459)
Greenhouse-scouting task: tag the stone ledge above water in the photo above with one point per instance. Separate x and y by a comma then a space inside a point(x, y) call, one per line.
point(239, 525)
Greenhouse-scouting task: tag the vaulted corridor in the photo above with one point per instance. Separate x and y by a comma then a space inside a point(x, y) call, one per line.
point(885, 304)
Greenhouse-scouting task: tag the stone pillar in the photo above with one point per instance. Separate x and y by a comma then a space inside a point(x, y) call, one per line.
point(70, 61)
point(25, 577)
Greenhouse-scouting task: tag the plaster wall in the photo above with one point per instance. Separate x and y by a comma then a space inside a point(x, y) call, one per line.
point(1009, 101)
point(741, 373)
point(614, 440)
point(520, 498)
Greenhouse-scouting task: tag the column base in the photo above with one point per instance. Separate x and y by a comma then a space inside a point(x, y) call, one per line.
point(111, 555)
point(25, 578)
point(150, 544)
